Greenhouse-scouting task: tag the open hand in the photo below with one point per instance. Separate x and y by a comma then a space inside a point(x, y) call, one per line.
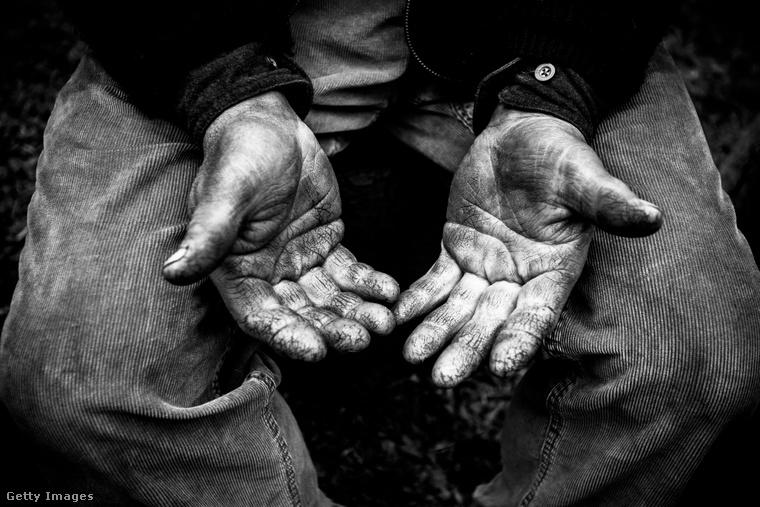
point(265, 223)
point(518, 228)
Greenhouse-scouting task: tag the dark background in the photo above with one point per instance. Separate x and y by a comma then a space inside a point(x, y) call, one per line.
point(380, 433)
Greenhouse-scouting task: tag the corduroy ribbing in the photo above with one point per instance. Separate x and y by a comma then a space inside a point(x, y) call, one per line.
point(662, 333)
point(108, 366)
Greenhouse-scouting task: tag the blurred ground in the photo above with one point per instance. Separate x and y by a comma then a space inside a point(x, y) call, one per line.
point(381, 435)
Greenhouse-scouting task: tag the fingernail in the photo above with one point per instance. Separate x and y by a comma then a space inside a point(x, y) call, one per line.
point(649, 210)
point(649, 205)
point(179, 254)
point(653, 212)
point(646, 204)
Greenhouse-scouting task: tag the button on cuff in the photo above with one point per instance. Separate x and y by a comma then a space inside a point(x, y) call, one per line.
point(545, 72)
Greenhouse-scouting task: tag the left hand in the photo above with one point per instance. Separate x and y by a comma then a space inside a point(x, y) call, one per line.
point(519, 222)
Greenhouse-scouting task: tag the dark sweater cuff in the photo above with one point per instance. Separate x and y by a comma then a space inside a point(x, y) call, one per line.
point(541, 88)
point(560, 92)
point(236, 76)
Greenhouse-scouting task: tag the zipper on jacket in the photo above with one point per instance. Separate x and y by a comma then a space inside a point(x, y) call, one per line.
point(417, 58)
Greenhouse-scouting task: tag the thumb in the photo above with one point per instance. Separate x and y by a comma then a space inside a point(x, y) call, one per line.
point(608, 202)
point(212, 231)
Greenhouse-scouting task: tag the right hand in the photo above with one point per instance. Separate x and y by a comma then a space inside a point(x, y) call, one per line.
point(265, 224)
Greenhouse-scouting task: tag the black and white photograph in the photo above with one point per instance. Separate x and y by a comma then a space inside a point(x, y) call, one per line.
point(380, 253)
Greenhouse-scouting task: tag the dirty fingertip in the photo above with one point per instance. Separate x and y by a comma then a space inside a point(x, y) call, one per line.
point(412, 352)
point(507, 358)
point(390, 289)
point(300, 342)
point(346, 335)
point(451, 368)
point(446, 375)
point(406, 308)
point(375, 317)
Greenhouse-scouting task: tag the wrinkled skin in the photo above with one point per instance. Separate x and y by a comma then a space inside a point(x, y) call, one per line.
point(519, 223)
point(265, 224)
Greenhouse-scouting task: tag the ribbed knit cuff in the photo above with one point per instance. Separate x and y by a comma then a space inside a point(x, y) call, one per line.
point(560, 92)
point(541, 88)
point(612, 66)
point(235, 77)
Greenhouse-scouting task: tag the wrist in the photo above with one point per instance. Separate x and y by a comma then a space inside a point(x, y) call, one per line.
point(268, 108)
point(505, 119)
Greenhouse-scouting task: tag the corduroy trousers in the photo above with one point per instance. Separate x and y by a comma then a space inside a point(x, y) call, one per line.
point(140, 391)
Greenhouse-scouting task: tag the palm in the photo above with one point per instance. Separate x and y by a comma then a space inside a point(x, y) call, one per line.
point(297, 227)
point(514, 244)
point(507, 221)
point(266, 211)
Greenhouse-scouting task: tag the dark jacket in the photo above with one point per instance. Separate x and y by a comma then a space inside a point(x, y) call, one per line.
point(190, 63)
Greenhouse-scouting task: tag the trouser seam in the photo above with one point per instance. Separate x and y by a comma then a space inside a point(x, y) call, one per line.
point(216, 383)
point(285, 457)
point(553, 430)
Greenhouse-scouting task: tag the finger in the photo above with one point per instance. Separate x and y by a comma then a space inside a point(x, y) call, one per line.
point(473, 341)
point(287, 332)
point(341, 334)
point(442, 323)
point(306, 250)
point(291, 295)
point(209, 236)
point(344, 335)
point(607, 201)
point(535, 315)
point(323, 291)
point(319, 287)
point(430, 290)
point(375, 317)
point(358, 277)
point(258, 311)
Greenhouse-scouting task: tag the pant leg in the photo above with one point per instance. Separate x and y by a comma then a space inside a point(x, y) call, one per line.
point(659, 345)
point(135, 389)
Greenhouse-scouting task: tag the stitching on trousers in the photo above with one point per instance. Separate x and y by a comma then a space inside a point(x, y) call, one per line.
point(552, 435)
point(216, 387)
point(282, 445)
point(551, 342)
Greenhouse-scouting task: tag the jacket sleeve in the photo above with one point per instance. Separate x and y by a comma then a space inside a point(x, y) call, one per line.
point(189, 62)
point(601, 46)
point(608, 43)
